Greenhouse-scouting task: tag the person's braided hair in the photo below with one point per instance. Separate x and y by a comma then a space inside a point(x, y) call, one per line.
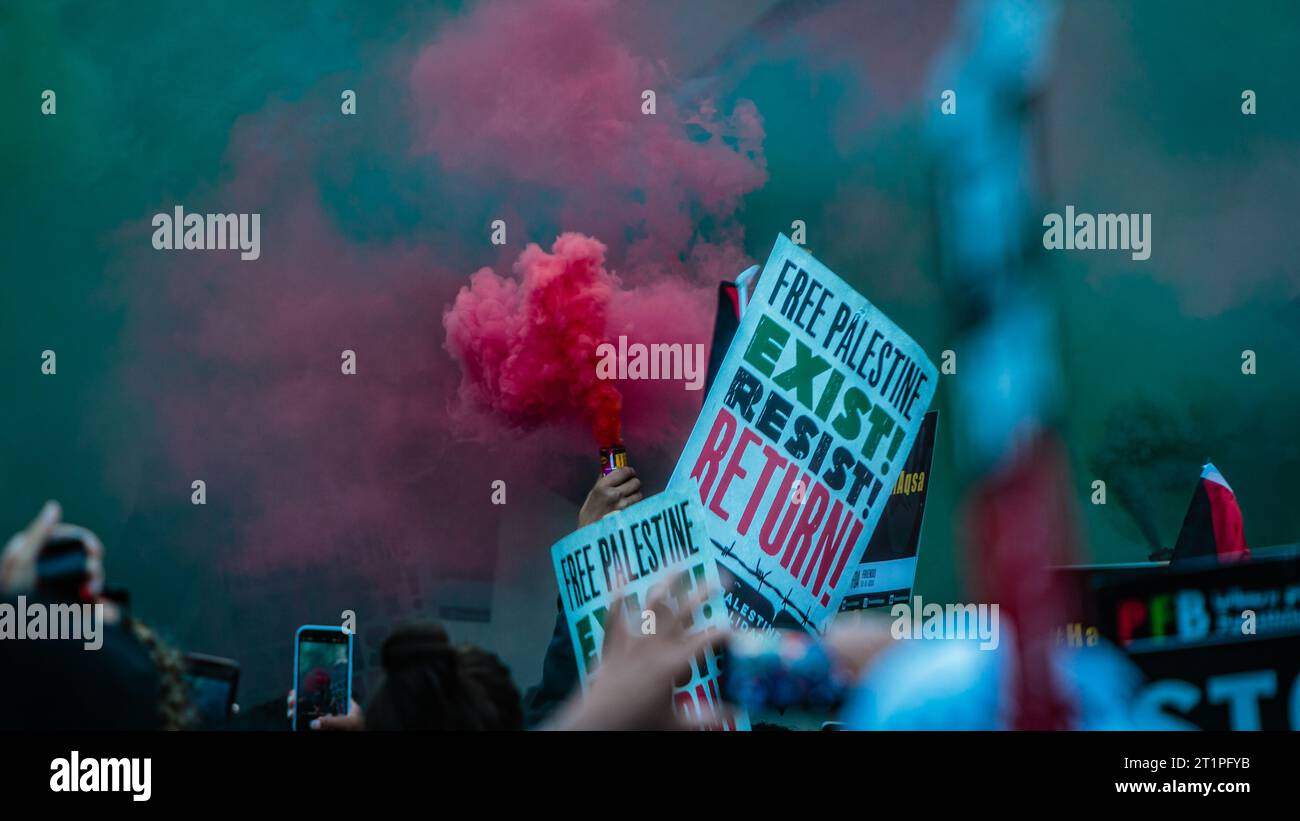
point(174, 705)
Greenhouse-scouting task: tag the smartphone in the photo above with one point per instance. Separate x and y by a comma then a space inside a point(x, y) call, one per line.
point(781, 670)
point(322, 673)
point(213, 683)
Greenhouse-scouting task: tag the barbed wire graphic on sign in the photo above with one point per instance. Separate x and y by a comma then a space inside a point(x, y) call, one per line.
point(760, 578)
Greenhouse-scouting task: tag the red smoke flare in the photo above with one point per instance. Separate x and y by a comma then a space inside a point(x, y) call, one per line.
point(527, 347)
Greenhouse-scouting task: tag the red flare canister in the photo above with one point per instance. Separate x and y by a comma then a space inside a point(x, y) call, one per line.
point(611, 458)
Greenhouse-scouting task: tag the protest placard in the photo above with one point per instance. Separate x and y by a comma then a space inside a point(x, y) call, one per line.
point(617, 561)
point(885, 574)
point(802, 435)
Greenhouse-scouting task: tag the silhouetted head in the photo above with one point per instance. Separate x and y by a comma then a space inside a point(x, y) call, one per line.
point(431, 685)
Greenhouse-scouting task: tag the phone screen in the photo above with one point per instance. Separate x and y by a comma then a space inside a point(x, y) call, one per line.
point(212, 682)
point(322, 675)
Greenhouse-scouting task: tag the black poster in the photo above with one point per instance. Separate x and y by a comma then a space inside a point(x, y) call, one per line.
point(888, 567)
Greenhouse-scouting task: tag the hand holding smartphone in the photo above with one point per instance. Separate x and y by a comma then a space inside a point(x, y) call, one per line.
point(322, 673)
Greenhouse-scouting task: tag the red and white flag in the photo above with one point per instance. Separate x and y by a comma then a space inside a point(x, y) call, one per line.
point(1212, 526)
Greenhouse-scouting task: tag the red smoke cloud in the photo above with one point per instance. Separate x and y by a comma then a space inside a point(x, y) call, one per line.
point(530, 95)
point(239, 363)
point(528, 346)
point(543, 103)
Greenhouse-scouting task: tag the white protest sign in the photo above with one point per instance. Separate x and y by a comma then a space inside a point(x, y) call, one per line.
point(801, 438)
point(616, 562)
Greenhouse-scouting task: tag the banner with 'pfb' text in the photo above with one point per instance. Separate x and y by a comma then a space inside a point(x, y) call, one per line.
point(802, 435)
point(616, 562)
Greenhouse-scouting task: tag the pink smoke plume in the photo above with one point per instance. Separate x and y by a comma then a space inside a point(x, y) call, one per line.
point(239, 363)
point(543, 102)
point(547, 95)
point(527, 347)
